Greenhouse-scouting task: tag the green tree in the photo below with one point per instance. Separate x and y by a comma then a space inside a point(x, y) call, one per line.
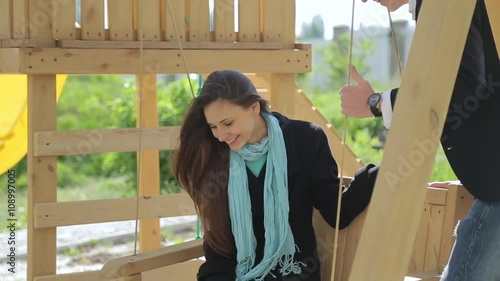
point(336, 59)
point(314, 29)
point(173, 100)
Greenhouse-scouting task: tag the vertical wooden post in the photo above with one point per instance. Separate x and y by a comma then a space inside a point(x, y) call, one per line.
point(21, 20)
point(121, 20)
point(199, 21)
point(279, 26)
point(178, 13)
point(93, 20)
point(64, 18)
point(249, 21)
point(393, 215)
point(148, 161)
point(149, 23)
point(5, 19)
point(42, 171)
point(224, 20)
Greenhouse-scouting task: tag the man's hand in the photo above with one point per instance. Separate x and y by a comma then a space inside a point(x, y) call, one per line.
point(393, 5)
point(355, 97)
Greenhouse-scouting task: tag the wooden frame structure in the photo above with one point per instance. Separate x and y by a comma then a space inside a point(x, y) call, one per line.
point(39, 38)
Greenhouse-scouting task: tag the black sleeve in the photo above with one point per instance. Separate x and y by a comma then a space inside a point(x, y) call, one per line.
point(217, 266)
point(472, 79)
point(326, 185)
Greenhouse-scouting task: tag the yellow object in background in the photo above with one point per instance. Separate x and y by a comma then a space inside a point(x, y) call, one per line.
point(14, 118)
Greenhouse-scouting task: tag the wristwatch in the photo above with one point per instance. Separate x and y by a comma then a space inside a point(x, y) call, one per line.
point(374, 101)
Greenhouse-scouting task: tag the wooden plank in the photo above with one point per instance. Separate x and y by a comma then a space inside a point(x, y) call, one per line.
point(493, 9)
point(83, 276)
point(174, 20)
point(105, 140)
point(42, 171)
point(199, 21)
point(224, 20)
point(436, 196)
point(121, 20)
point(149, 20)
point(184, 271)
point(170, 45)
point(20, 19)
point(17, 43)
point(349, 241)
point(305, 110)
point(345, 256)
point(123, 61)
point(132, 265)
point(282, 88)
point(5, 19)
point(259, 80)
point(385, 246)
point(279, 21)
point(11, 61)
point(249, 21)
point(148, 169)
point(48, 215)
point(417, 260)
point(93, 20)
point(324, 243)
point(434, 240)
point(64, 18)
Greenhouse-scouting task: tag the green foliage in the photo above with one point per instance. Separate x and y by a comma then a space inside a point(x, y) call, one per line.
point(172, 102)
point(364, 136)
point(336, 59)
point(314, 29)
point(109, 101)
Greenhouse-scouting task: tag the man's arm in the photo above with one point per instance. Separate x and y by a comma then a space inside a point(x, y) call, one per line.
point(354, 99)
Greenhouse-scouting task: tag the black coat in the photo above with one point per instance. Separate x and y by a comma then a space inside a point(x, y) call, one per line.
point(312, 183)
point(471, 135)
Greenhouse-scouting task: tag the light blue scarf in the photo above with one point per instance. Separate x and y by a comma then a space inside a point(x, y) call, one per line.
point(279, 247)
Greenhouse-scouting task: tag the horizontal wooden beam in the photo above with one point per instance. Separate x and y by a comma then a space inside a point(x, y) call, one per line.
point(111, 210)
point(17, 43)
point(83, 276)
point(436, 196)
point(133, 265)
point(10, 60)
point(105, 140)
point(128, 61)
point(100, 44)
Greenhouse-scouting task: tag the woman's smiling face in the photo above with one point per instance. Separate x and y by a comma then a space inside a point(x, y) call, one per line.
point(233, 124)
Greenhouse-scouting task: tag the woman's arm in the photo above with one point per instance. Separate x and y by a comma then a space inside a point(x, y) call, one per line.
point(325, 185)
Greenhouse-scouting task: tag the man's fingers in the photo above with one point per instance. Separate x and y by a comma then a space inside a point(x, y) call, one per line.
point(355, 75)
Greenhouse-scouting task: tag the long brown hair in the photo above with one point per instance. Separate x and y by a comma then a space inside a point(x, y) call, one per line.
point(201, 164)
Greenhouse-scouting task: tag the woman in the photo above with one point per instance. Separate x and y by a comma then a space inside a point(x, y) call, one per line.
point(255, 177)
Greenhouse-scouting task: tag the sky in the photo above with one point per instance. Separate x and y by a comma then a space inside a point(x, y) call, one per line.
point(338, 12)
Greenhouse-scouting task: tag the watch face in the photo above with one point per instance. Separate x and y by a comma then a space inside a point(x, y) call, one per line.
point(373, 99)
